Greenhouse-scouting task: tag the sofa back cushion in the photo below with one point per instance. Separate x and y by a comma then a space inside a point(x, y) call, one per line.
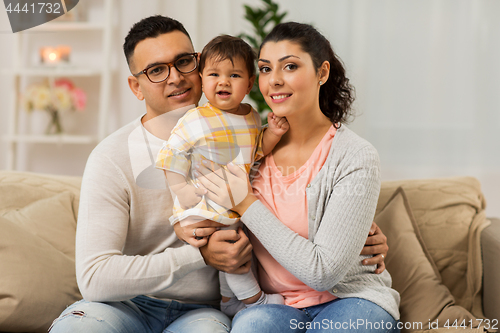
point(449, 213)
point(425, 301)
point(37, 224)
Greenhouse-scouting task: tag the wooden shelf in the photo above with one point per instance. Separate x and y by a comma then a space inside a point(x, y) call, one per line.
point(54, 138)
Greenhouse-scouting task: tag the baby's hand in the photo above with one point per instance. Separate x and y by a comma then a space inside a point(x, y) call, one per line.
point(189, 196)
point(277, 125)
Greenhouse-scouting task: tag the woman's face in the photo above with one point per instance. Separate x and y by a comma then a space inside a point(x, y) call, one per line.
point(288, 80)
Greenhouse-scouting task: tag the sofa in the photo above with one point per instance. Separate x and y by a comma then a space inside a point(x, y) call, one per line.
point(443, 255)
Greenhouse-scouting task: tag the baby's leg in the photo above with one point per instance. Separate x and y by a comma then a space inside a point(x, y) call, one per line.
point(229, 305)
point(247, 291)
point(246, 288)
point(243, 286)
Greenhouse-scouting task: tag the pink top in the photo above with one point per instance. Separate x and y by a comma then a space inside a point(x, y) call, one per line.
point(285, 196)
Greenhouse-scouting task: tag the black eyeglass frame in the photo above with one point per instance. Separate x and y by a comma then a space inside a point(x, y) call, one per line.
point(169, 65)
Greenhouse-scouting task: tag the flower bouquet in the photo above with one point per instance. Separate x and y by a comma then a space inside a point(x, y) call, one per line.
point(61, 97)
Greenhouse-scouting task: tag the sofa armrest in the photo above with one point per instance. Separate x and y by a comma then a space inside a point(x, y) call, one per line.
point(490, 247)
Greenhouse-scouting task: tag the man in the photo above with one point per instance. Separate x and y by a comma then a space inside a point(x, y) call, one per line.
point(125, 246)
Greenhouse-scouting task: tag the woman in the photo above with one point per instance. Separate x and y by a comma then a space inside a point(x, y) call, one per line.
point(313, 199)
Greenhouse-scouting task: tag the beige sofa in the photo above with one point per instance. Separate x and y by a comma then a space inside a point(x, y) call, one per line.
point(443, 251)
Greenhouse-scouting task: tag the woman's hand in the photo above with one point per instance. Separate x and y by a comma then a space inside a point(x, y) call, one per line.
point(231, 190)
point(376, 245)
point(196, 234)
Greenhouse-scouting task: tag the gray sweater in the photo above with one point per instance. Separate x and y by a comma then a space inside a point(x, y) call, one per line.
point(341, 203)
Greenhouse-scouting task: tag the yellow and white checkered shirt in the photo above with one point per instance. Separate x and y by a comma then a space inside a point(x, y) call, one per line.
point(207, 133)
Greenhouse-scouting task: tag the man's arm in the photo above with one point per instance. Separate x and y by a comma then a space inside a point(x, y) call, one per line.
point(104, 272)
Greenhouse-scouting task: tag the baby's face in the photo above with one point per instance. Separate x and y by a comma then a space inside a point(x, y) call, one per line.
point(225, 84)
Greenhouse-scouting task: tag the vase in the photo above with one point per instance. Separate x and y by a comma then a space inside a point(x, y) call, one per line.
point(38, 120)
point(54, 126)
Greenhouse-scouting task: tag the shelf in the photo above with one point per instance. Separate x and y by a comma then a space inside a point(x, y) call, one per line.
point(55, 138)
point(67, 26)
point(53, 71)
point(93, 73)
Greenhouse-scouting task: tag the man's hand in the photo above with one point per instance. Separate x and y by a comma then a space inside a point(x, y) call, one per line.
point(376, 245)
point(202, 229)
point(228, 251)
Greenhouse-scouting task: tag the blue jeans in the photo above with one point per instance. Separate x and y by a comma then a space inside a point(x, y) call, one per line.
point(343, 315)
point(141, 314)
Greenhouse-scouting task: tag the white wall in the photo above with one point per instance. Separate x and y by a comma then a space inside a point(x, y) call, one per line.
point(426, 73)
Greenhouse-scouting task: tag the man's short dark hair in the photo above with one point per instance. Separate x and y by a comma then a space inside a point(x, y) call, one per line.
point(150, 27)
point(228, 47)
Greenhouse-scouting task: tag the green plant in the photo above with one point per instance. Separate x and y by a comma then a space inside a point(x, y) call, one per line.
point(262, 19)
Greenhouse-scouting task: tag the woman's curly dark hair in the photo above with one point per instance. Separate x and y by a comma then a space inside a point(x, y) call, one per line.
point(336, 94)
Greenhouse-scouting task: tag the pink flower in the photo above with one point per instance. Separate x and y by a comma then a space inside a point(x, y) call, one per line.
point(66, 83)
point(62, 96)
point(79, 99)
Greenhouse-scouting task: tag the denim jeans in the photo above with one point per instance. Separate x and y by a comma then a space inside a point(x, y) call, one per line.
point(140, 314)
point(342, 315)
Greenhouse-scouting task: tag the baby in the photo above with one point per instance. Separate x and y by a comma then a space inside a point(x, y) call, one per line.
point(220, 132)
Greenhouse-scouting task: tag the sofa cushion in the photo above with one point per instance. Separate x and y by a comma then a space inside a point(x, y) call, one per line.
point(51, 219)
point(450, 215)
point(424, 299)
point(490, 245)
point(19, 189)
point(36, 259)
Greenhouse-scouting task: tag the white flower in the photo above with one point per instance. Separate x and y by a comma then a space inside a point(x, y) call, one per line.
point(40, 97)
point(62, 99)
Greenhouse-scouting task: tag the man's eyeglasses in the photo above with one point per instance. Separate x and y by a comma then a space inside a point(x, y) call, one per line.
point(157, 73)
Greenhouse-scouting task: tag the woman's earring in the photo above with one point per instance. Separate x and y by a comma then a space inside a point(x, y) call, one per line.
point(320, 83)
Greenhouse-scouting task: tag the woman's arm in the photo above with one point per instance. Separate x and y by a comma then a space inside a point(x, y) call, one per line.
point(345, 224)
point(340, 237)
